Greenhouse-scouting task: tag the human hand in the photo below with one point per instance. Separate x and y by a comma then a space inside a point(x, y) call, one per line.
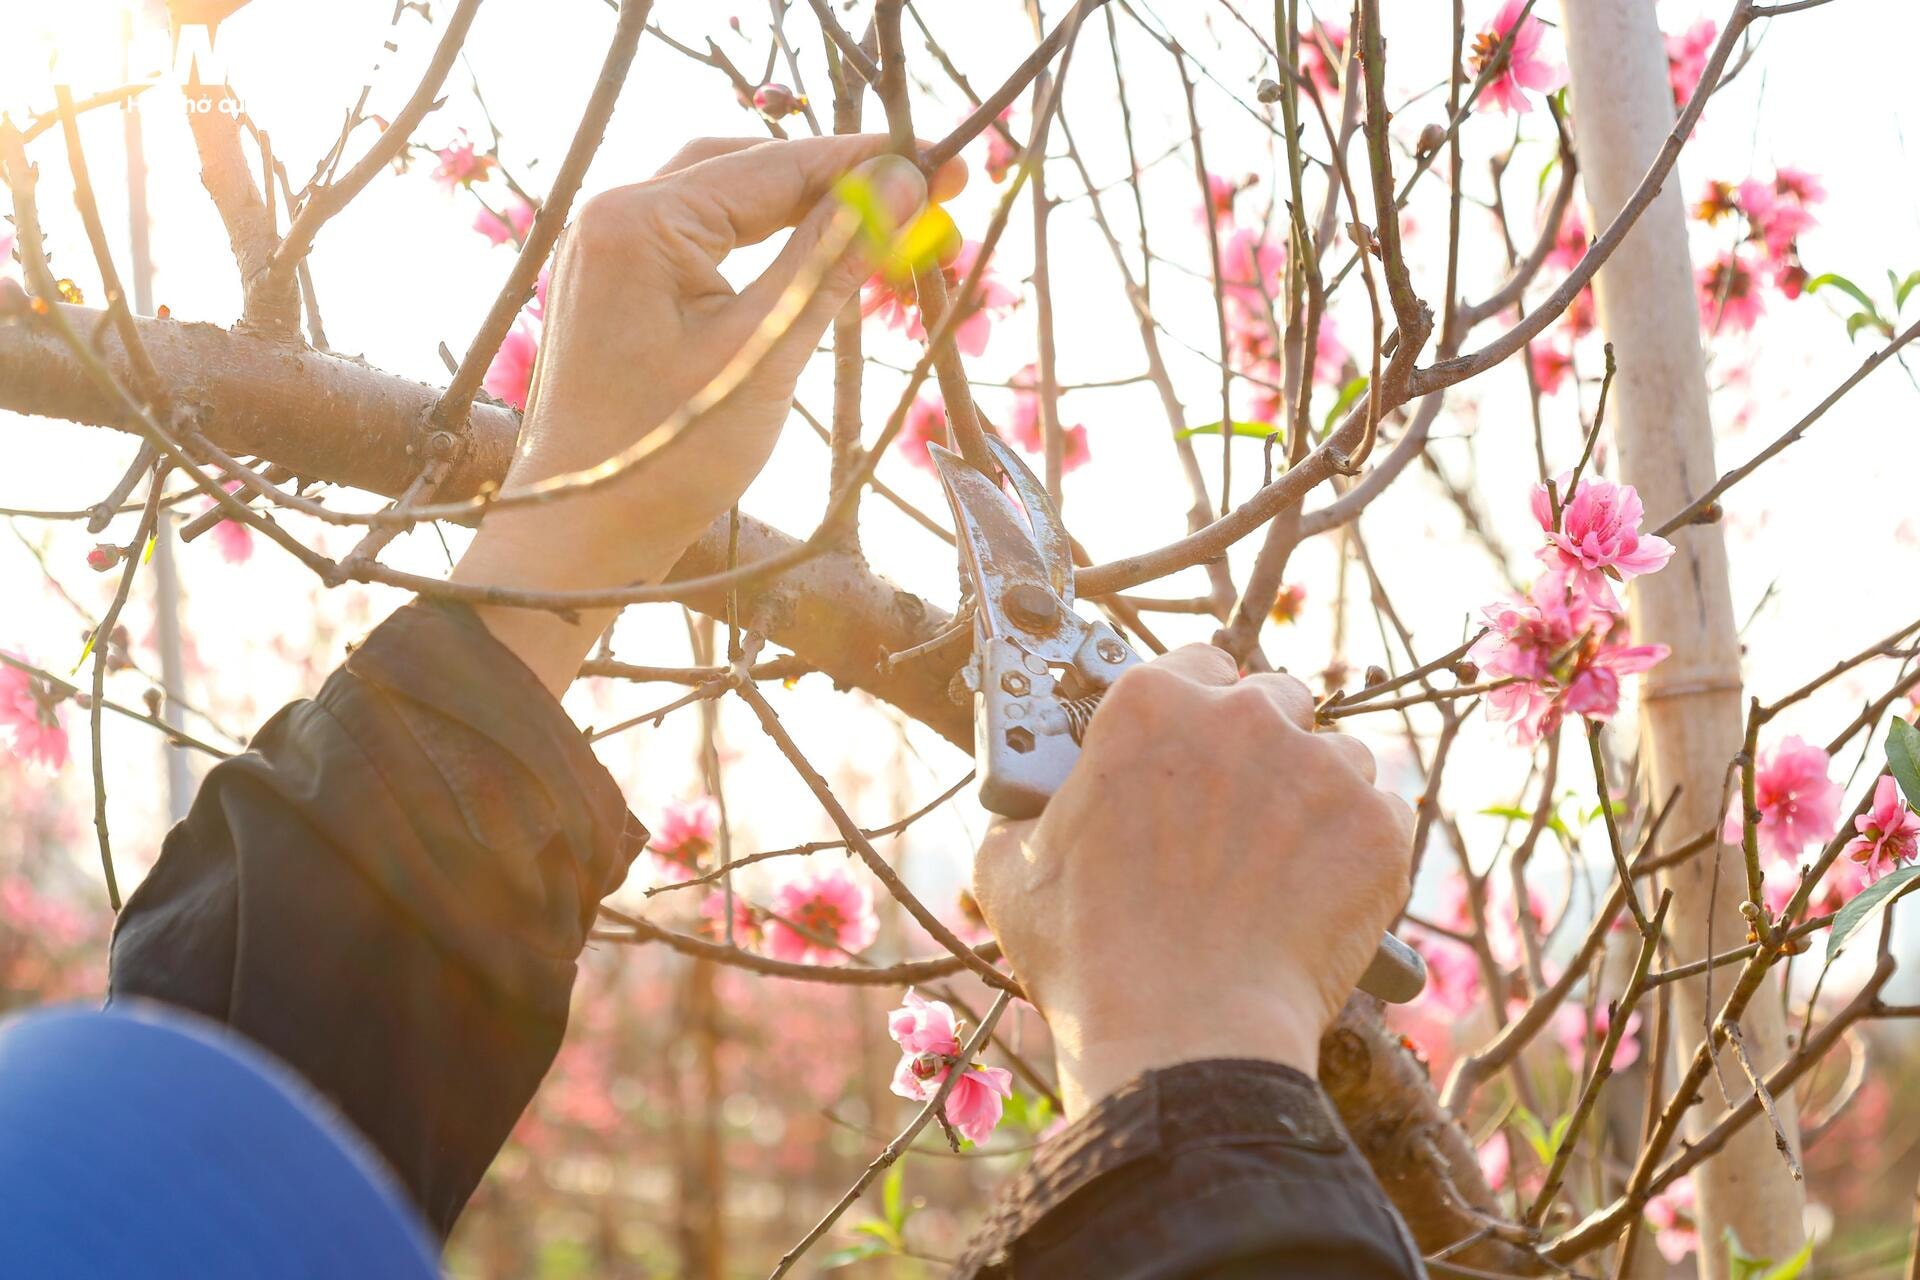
point(639, 319)
point(1210, 881)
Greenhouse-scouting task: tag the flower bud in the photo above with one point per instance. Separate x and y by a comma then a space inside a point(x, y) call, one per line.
point(103, 557)
point(776, 101)
point(1376, 675)
point(1465, 672)
point(1268, 91)
point(1431, 139)
point(926, 1066)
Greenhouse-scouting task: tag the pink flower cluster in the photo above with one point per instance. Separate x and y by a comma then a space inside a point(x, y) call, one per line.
point(1687, 55)
point(1563, 647)
point(820, 917)
point(686, 833)
point(29, 714)
point(929, 1041)
point(1776, 214)
point(1323, 51)
point(1799, 805)
point(891, 296)
point(1520, 67)
point(926, 423)
point(1252, 261)
point(1552, 361)
point(509, 375)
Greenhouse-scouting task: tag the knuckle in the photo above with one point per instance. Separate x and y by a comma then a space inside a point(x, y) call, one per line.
point(603, 222)
point(1145, 690)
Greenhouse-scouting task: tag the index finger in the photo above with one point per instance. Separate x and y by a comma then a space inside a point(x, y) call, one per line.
point(763, 189)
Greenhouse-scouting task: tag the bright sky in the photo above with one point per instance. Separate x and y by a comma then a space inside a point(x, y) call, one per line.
point(1823, 540)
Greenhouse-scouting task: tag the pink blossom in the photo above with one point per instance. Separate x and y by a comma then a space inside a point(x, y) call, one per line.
point(1780, 880)
point(538, 307)
point(819, 916)
point(1670, 1214)
point(1518, 69)
point(1776, 222)
point(746, 919)
point(686, 833)
point(1027, 429)
point(1496, 1160)
point(511, 374)
point(1453, 978)
point(1329, 355)
point(510, 222)
point(1799, 185)
point(1579, 319)
point(1562, 651)
point(1569, 242)
point(1250, 265)
point(891, 297)
point(930, 1047)
point(1888, 830)
point(1687, 55)
point(460, 165)
point(1798, 802)
point(233, 540)
point(28, 710)
point(1002, 154)
point(1322, 72)
point(1288, 602)
point(1729, 293)
point(1582, 1039)
point(1219, 206)
point(1599, 536)
point(926, 423)
point(1550, 365)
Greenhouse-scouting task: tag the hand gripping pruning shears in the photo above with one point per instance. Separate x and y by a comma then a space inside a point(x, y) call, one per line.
point(1039, 669)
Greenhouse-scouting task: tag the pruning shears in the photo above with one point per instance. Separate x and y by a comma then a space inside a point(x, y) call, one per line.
point(1039, 669)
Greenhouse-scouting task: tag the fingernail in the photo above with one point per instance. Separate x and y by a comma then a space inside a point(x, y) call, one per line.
point(901, 188)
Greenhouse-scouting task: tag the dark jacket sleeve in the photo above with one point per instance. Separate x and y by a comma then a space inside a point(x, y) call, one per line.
point(1226, 1170)
point(389, 891)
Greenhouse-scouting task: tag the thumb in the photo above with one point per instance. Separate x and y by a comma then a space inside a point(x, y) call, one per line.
point(900, 192)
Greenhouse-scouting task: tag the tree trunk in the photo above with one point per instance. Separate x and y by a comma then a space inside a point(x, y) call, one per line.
point(1691, 713)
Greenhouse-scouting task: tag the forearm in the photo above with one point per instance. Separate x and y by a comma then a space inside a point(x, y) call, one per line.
point(388, 890)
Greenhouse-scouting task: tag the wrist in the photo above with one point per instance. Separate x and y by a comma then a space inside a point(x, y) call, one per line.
point(1096, 1053)
point(538, 549)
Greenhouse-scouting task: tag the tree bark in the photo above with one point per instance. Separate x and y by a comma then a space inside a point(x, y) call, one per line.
point(1691, 707)
point(348, 423)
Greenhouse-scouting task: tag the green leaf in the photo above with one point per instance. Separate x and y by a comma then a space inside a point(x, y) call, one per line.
point(1834, 280)
point(1559, 1134)
point(1863, 906)
point(1535, 1133)
point(1901, 288)
point(1792, 1267)
point(1546, 171)
point(1512, 813)
point(1742, 1265)
point(892, 1201)
point(1344, 401)
point(877, 1229)
point(1258, 430)
point(1860, 320)
point(850, 1255)
point(1903, 758)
